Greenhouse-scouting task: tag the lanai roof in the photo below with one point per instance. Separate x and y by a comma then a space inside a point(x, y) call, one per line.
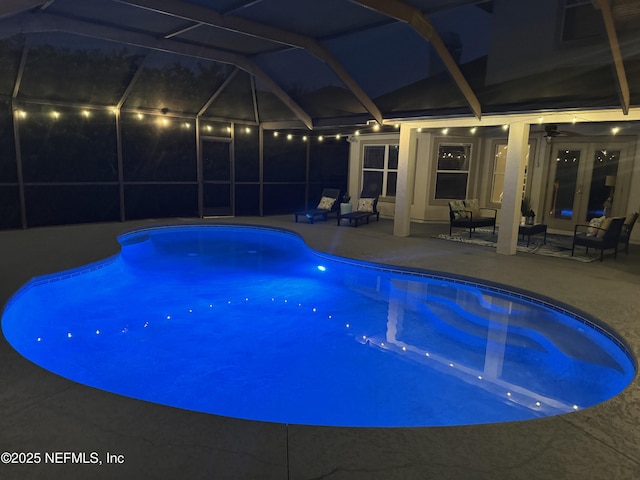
point(311, 64)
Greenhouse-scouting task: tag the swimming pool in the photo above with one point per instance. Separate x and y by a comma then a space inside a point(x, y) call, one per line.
point(250, 323)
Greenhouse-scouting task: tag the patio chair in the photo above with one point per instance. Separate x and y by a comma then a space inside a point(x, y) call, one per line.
point(627, 227)
point(367, 207)
point(607, 236)
point(467, 214)
point(328, 204)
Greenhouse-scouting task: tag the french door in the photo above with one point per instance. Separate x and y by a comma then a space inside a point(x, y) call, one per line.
point(581, 182)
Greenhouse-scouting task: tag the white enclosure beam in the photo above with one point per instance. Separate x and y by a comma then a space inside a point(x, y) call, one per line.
point(623, 85)
point(409, 14)
point(206, 16)
point(12, 7)
point(45, 22)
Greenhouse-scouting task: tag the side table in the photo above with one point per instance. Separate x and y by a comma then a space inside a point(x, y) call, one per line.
point(529, 230)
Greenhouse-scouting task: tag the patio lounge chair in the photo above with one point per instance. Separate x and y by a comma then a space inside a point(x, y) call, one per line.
point(467, 214)
point(328, 204)
point(607, 236)
point(627, 227)
point(367, 208)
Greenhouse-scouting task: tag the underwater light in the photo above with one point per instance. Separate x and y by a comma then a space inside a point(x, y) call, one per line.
point(322, 268)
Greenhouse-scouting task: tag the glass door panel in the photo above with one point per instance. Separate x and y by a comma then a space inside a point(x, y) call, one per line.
point(566, 176)
point(565, 184)
point(603, 181)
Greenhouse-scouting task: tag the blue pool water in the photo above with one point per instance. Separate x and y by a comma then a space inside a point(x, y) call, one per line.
point(251, 323)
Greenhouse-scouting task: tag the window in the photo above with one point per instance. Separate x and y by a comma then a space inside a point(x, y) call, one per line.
point(499, 165)
point(452, 174)
point(380, 170)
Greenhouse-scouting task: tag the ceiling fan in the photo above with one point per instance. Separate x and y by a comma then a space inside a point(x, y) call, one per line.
point(551, 131)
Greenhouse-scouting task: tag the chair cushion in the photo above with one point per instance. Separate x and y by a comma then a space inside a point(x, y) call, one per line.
point(458, 207)
point(630, 219)
point(474, 207)
point(594, 225)
point(365, 205)
point(326, 203)
point(603, 227)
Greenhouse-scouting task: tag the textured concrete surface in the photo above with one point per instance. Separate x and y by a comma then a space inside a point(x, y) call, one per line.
point(41, 412)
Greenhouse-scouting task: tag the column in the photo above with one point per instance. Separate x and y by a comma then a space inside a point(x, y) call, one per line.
point(517, 147)
point(405, 182)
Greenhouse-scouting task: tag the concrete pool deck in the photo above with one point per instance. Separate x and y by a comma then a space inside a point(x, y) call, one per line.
point(47, 414)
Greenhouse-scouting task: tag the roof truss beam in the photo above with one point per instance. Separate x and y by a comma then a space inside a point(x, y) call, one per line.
point(420, 23)
point(12, 7)
point(623, 84)
point(45, 22)
point(206, 16)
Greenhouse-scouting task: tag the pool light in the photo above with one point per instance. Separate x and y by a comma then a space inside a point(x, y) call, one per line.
point(322, 268)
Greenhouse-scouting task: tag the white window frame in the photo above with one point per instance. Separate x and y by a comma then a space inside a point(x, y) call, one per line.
point(385, 168)
point(438, 171)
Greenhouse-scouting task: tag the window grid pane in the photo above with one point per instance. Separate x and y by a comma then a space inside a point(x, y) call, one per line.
point(380, 169)
point(452, 173)
point(374, 156)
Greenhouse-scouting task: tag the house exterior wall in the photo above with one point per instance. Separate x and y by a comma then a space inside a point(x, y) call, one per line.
point(425, 208)
point(526, 38)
